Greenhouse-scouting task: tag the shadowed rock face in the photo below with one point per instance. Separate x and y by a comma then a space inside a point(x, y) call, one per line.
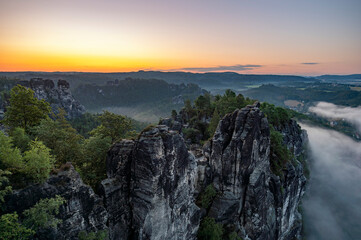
point(240, 166)
point(83, 210)
point(150, 186)
point(151, 182)
point(59, 97)
point(252, 200)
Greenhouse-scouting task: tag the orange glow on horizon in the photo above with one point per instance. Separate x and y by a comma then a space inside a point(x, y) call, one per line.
point(118, 36)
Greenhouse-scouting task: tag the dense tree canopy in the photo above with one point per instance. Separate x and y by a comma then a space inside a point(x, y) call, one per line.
point(113, 126)
point(207, 112)
point(60, 137)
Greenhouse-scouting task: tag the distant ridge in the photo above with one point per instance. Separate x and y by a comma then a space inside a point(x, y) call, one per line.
point(204, 80)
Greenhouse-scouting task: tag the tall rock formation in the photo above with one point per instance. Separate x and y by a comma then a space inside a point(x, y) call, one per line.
point(251, 200)
point(150, 186)
point(151, 182)
point(58, 97)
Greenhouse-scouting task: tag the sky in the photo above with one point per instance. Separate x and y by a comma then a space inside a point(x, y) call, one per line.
point(308, 37)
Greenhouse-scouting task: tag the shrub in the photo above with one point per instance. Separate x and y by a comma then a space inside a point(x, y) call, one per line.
point(20, 139)
point(207, 196)
point(38, 162)
point(11, 229)
point(42, 215)
point(192, 134)
point(10, 157)
point(280, 154)
point(99, 235)
point(210, 230)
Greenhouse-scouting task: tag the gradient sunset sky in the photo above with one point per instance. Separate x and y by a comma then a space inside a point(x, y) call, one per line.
point(303, 37)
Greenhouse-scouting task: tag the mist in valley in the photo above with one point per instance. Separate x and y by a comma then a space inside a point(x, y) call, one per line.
point(332, 111)
point(332, 208)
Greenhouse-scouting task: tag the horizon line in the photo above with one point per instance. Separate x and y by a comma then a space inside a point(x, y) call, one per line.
point(180, 71)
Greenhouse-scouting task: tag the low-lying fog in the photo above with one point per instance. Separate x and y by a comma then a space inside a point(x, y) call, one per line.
point(332, 111)
point(332, 205)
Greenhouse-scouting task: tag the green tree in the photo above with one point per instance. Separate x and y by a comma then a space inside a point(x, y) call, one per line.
point(99, 235)
point(20, 139)
point(43, 214)
point(25, 110)
point(214, 122)
point(174, 114)
point(210, 230)
point(38, 162)
point(92, 168)
point(203, 104)
point(207, 196)
point(276, 116)
point(234, 236)
point(189, 109)
point(10, 157)
point(192, 134)
point(12, 229)
point(4, 188)
point(85, 123)
point(279, 153)
point(113, 125)
point(60, 137)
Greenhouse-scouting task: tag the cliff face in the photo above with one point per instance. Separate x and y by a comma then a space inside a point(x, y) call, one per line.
point(83, 210)
point(239, 159)
point(150, 186)
point(58, 97)
point(293, 184)
point(252, 200)
point(151, 182)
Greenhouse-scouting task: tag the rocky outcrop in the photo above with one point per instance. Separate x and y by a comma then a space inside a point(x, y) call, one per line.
point(251, 200)
point(294, 181)
point(153, 182)
point(58, 97)
point(83, 210)
point(150, 187)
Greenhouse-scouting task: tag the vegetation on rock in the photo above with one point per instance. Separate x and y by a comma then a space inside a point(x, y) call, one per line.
point(210, 230)
point(204, 116)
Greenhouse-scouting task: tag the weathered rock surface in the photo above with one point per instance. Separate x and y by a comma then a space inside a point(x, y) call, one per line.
point(150, 186)
point(83, 210)
point(58, 97)
point(252, 200)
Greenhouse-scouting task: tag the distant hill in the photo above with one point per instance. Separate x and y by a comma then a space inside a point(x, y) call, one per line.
point(207, 81)
point(339, 94)
point(340, 77)
point(141, 99)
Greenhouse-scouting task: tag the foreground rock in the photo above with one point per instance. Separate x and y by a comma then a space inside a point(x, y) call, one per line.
point(151, 182)
point(150, 186)
point(83, 210)
point(251, 200)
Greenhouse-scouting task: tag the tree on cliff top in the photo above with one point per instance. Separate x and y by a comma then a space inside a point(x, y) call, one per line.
point(113, 126)
point(25, 109)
